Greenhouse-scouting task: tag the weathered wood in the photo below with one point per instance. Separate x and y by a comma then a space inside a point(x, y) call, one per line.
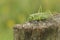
point(38, 30)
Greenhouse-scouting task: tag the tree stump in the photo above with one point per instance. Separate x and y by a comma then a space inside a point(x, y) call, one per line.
point(38, 30)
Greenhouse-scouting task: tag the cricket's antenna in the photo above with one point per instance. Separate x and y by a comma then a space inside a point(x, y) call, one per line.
point(50, 13)
point(40, 9)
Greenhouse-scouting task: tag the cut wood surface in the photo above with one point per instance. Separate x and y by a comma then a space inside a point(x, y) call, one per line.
point(38, 30)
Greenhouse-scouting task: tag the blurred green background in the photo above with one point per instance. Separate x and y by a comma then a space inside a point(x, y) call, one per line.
point(16, 11)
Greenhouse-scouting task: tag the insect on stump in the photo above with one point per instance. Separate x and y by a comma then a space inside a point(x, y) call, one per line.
point(36, 30)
